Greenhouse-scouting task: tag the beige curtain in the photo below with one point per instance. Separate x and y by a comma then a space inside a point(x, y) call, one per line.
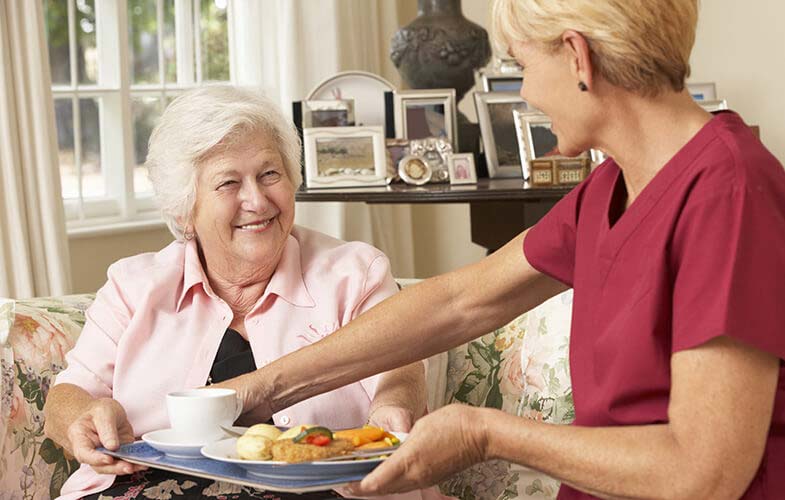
point(303, 42)
point(33, 244)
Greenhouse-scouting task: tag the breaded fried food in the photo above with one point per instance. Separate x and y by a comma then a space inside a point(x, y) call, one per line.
point(286, 450)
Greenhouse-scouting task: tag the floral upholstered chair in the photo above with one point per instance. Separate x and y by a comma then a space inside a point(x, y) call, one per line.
point(34, 337)
point(521, 368)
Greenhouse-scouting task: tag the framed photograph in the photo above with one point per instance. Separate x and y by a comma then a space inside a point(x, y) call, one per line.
point(435, 153)
point(426, 113)
point(332, 113)
point(714, 106)
point(570, 171)
point(541, 172)
point(396, 150)
point(462, 170)
point(497, 127)
point(495, 81)
point(703, 91)
point(339, 157)
point(414, 170)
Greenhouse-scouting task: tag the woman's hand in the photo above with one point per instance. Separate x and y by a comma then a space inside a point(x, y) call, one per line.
point(103, 423)
point(439, 445)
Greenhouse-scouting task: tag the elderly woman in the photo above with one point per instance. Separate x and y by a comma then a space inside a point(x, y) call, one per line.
point(240, 287)
point(675, 248)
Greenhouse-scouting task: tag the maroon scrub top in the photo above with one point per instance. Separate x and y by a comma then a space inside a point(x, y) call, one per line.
point(700, 253)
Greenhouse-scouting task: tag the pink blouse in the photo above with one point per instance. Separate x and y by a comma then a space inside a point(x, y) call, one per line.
point(156, 325)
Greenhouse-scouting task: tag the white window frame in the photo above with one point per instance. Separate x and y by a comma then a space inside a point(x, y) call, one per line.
point(121, 209)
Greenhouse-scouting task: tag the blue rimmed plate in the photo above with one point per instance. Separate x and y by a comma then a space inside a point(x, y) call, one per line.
point(226, 451)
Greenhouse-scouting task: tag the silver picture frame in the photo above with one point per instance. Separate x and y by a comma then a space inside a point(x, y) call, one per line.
point(341, 157)
point(714, 106)
point(420, 114)
point(497, 127)
point(536, 140)
point(705, 91)
point(496, 81)
point(328, 113)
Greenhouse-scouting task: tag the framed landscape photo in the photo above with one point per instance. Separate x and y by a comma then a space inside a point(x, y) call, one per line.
point(703, 91)
point(420, 114)
point(461, 167)
point(340, 157)
point(497, 127)
point(330, 113)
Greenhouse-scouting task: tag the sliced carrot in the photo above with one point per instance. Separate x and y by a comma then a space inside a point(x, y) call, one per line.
point(361, 436)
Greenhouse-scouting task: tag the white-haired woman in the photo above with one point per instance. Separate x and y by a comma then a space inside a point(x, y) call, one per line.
point(240, 287)
point(675, 248)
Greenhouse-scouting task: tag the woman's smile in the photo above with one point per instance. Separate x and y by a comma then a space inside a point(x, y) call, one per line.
point(258, 226)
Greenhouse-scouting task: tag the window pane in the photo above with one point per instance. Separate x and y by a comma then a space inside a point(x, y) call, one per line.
point(146, 111)
point(214, 40)
point(92, 178)
point(56, 17)
point(143, 41)
point(64, 121)
point(169, 43)
point(93, 185)
point(87, 54)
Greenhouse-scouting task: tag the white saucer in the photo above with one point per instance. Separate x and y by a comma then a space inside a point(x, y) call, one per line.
point(167, 442)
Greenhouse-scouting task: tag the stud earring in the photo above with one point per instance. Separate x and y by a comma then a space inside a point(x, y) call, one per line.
point(188, 235)
point(583, 86)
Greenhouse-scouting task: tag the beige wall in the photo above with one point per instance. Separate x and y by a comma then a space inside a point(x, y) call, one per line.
point(738, 47)
point(91, 256)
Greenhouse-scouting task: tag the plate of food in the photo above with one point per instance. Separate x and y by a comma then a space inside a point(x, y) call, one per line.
point(306, 452)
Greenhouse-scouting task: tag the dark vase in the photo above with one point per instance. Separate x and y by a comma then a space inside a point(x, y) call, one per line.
point(441, 49)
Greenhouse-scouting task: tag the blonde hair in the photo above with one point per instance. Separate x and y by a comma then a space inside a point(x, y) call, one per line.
point(204, 122)
point(640, 45)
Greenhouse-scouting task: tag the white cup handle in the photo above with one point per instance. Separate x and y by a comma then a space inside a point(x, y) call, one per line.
point(238, 403)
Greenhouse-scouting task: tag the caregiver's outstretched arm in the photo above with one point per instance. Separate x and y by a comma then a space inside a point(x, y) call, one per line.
point(430, 317)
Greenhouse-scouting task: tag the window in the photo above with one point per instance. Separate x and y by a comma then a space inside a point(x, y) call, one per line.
point(115, 65)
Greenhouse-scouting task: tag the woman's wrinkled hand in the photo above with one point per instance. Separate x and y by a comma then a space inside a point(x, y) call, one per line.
point(439, 445)
point(104, 423)
point(392, 418)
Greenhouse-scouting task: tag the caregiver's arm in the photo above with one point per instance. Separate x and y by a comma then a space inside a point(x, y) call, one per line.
point(722, 398)
point(430, 317)
point(720, 410)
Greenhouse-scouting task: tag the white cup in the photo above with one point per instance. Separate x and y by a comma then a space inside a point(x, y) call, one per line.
point(196, 415)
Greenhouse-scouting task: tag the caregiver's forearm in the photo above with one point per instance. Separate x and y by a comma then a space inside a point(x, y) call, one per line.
point(430, 317)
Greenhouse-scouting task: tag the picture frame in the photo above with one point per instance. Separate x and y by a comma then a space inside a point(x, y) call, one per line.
point(419, 114)
point(541, 172)
point(341, 157)
point(706, 91)
point(462, 169)
point(397, 149)
point(434, 152)
point(497, 81)
point(328, 113)
point(414, 170)
point(570, 171)
point(714, 106)
point(497, 127)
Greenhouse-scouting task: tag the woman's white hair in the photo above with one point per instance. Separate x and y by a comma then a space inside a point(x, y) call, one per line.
point(201, 123)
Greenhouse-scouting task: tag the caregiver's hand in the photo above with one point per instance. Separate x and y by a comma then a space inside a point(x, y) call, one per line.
point(439, 445)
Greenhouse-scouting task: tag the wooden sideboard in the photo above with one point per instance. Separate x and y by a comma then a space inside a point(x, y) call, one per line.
point(499, 208)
